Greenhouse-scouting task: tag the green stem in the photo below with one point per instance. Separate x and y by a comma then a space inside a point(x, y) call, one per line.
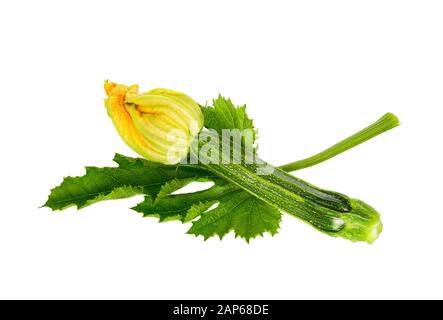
point(385, 123)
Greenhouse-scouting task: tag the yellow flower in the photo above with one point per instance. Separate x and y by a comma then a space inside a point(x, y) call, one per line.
point(160, 124)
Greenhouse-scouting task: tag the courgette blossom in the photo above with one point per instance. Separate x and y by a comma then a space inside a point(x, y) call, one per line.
point(159, 125)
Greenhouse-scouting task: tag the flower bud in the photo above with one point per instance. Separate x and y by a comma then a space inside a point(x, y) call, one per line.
point(160, 124)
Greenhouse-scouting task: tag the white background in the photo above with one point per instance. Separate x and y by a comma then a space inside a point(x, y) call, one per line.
point(311, 73)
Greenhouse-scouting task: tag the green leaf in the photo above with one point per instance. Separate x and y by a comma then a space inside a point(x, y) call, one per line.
point(237, 210)
point(132, 177)
point(184, 207)
point(241, 212)
point(176, 184)
point(224, 115)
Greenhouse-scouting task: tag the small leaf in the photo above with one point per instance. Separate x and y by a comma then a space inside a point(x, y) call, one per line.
point(246, 215)
point(184, 207)
point(224, 115)
point(176, 184)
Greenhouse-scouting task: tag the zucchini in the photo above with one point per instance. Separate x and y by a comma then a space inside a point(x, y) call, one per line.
point(329, 212)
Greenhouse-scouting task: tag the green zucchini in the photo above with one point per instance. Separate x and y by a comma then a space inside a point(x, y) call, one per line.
point(330, 212)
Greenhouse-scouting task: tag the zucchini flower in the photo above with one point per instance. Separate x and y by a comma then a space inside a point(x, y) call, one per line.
point(159, 125)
